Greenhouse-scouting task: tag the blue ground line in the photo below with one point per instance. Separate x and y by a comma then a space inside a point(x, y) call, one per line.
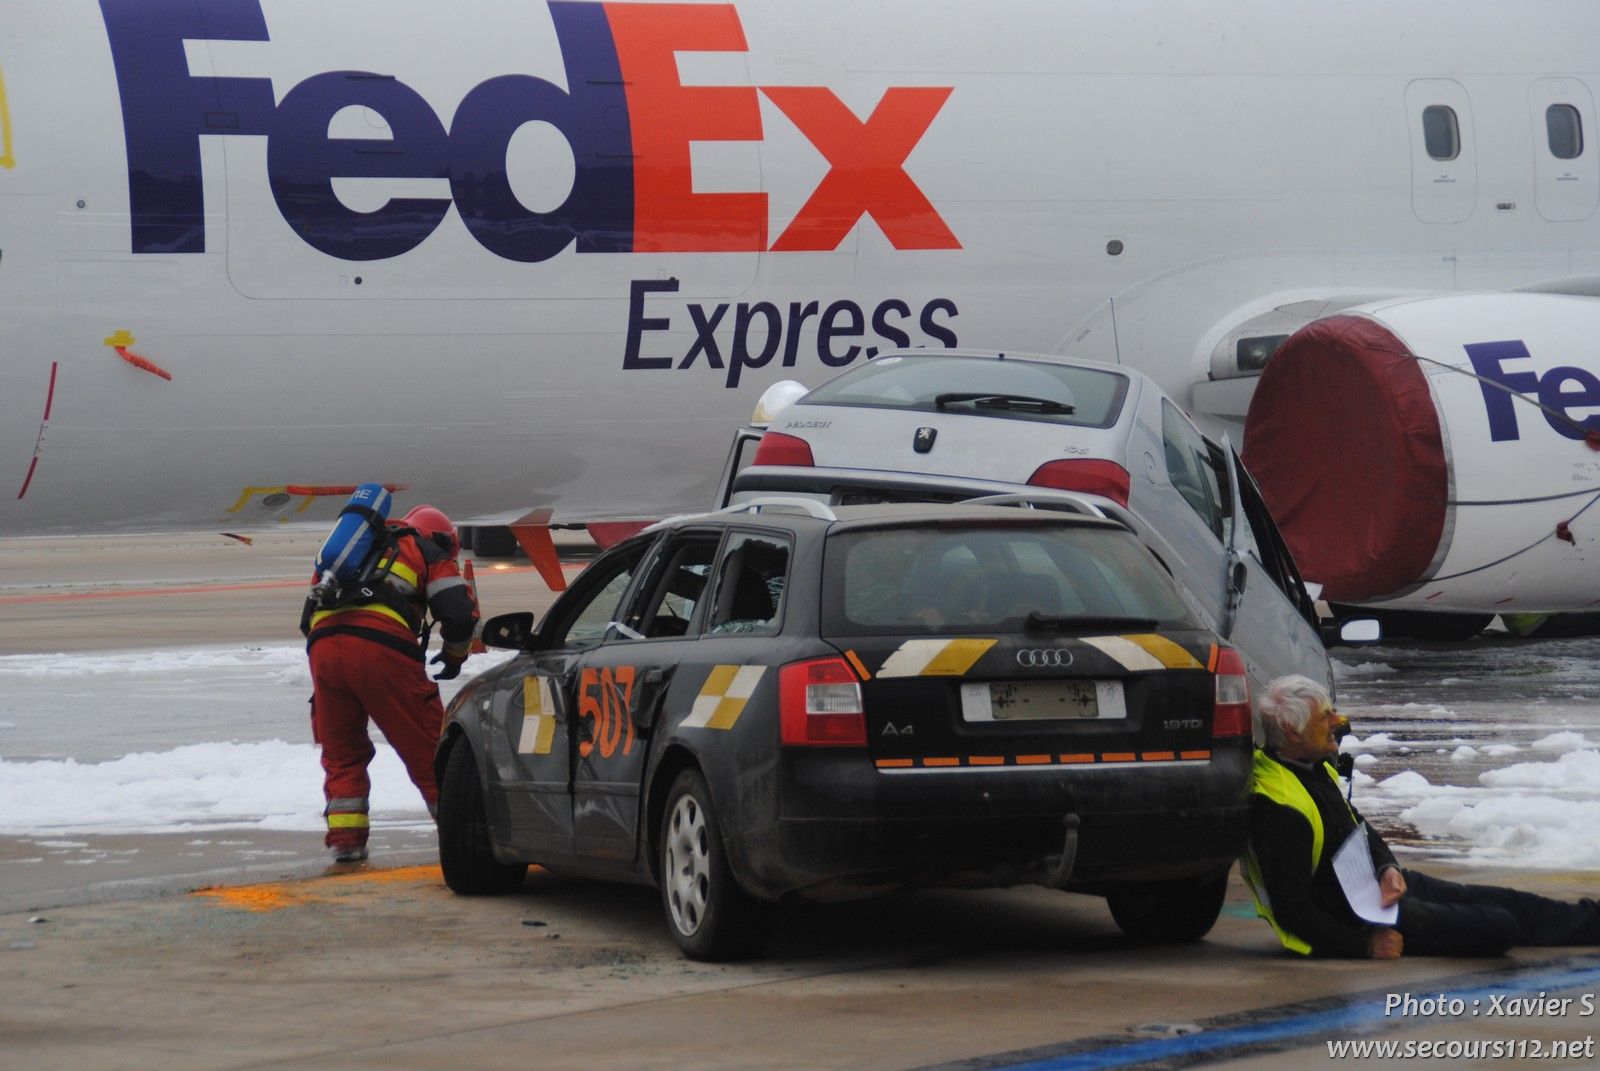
point(1350, 1016)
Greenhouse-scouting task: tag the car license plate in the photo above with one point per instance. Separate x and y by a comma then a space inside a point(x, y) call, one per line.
point(1042, 701)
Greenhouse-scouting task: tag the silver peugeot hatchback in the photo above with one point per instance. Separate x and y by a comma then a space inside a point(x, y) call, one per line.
point(948, 425)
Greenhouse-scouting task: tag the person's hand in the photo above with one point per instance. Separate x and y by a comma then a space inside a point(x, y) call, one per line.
point(451, 661)
point(1386, 943)
point(1392, 885)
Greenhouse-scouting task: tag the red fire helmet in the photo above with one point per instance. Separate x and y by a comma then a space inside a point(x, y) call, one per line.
point(436, 526)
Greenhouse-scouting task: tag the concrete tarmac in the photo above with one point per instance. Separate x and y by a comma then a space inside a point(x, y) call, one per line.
point(235, 957)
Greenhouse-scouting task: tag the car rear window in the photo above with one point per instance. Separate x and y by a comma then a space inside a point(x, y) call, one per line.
point(962, 579)
point(1094, 395)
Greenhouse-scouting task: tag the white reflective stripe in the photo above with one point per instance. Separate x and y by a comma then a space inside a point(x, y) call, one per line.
point(444, 584)
point(723, 697)
point(356, 804)
point(1130, 655)
point(936, 658)
point(912, 658)
point(538, 717)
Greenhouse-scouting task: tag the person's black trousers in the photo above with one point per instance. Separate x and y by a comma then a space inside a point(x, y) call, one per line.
point(1444, 918)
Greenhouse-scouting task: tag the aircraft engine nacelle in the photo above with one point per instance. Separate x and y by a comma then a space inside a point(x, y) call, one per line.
point(1439, 453)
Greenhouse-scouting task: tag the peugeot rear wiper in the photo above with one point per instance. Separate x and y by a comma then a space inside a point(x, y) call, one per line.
point(1040, 621)
point(1021, 402)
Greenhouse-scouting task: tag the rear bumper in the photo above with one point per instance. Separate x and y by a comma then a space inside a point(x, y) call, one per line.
point(844, 825)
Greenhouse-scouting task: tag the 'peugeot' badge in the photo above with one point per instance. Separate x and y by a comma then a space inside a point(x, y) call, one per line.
point(924, 440)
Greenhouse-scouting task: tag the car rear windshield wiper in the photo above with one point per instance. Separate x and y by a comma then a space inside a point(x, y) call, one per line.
point(1067, 622)
point(1019, 402)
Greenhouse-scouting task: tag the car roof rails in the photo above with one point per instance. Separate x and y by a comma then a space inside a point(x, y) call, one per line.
point(784, 503)
point(1060, 501)
point(775, 503)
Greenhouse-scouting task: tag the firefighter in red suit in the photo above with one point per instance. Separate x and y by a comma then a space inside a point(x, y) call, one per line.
point(367, 661)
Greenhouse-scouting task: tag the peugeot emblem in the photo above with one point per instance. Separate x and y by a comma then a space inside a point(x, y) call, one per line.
point(923, 442)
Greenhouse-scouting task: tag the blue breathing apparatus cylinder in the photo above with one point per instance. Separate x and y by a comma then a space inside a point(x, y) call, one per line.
point(348, 552)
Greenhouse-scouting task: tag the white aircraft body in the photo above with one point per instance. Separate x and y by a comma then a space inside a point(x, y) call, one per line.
point(534, 260)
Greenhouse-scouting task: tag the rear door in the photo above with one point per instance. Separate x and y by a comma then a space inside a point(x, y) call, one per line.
point(1113, 670)
point(617, 685)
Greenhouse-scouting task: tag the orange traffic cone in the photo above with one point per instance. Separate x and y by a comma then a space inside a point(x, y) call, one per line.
point(472, 582)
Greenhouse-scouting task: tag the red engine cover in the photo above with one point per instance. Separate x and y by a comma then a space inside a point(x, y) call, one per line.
point(1344, 439)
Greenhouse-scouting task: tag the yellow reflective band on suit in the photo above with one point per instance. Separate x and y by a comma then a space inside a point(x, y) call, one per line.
point(396, 569)
point(347, 821)
point(1274, 781)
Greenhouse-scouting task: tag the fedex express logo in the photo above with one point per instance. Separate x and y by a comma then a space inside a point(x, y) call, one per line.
point(626, 116)
point(1559, 390)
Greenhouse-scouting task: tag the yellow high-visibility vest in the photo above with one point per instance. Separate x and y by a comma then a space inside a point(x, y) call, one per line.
point(1274, 781)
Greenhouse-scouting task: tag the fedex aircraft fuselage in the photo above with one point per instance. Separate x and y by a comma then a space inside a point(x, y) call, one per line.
point(543, 255)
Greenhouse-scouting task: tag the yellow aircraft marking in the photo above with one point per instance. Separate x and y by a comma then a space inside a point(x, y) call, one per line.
point(6, 159)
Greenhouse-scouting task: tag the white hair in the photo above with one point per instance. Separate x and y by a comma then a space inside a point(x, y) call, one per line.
point(1289, 703)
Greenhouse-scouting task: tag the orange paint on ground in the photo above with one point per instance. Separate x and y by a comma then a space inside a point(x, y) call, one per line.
point(277, 895)
point(274, 897)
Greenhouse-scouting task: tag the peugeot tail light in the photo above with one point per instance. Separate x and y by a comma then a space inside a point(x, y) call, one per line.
point(1105, 478)
point(776, 448)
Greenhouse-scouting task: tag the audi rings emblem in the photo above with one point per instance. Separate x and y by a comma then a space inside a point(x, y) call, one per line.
point(1044, 657)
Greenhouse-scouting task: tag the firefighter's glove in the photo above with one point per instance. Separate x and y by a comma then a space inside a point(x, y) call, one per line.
point(451, 661)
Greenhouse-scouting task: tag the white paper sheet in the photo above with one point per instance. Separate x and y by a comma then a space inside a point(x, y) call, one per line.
point(1352, 863)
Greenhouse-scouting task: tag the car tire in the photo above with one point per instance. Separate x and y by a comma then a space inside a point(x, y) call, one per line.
point(709, 915)
point(1170, 912)
point(465, 854)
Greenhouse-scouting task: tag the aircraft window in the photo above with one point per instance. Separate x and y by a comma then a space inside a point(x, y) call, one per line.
point(1440, 132)
point(1190, 470)
point(750, 586)
point(1564, 126)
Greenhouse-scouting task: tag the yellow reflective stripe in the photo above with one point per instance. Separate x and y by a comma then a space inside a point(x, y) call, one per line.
point(404, 572)
point(957, 657)
point(347, 821)
point(935, 658)
point(723, 697)
point(538, 717)
point(1166, 652)
point(371, 608)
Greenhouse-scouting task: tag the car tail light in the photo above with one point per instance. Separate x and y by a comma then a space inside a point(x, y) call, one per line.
point(819, 704)
point(1231, 714)
point(777, 448)
point(1091, 477)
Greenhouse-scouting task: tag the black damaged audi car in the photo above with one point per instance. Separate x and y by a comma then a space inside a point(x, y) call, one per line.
point(784, 699)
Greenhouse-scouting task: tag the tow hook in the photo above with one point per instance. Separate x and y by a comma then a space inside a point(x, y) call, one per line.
point(1058, 871)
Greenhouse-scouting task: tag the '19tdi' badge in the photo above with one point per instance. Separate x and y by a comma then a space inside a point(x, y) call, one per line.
point(924, 440)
